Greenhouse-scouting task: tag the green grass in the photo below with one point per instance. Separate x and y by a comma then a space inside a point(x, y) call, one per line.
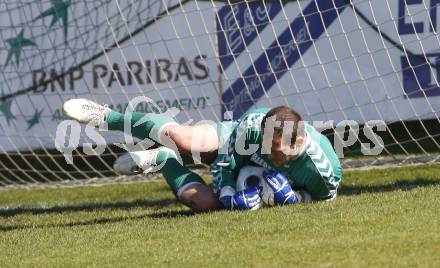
point(381, 218)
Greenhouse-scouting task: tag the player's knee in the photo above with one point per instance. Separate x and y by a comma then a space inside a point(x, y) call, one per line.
point(200, 198)
point(181, 137)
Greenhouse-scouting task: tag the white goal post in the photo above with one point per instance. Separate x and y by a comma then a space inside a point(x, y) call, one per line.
point(333, 61)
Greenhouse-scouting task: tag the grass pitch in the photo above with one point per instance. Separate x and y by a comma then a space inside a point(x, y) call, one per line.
point(386, 217)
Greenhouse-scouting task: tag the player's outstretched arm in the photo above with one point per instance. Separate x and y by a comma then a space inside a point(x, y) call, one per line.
point(283, 192)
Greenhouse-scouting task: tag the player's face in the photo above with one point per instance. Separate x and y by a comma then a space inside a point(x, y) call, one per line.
point(278, 154)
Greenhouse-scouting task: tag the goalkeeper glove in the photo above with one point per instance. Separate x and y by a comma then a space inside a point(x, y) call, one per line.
point(283, 193)
point(247, 199)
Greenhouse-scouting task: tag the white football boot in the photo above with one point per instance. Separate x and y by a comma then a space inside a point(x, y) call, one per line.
point(138, 162)
point(85, 111)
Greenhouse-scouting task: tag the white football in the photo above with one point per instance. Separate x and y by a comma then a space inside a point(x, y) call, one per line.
point(251, 176)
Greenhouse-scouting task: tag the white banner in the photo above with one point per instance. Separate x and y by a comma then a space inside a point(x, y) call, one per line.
point(165, 60)
point(320, 57)
point(332, 63)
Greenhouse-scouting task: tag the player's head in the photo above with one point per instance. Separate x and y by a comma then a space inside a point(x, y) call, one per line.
point(283, 134)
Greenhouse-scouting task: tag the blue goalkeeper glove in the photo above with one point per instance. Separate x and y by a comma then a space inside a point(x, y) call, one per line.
point(283, 193)
point(247, 199)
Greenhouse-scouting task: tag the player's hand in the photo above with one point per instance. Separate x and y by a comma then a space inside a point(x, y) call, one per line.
point(283, 193)
point(247, 199)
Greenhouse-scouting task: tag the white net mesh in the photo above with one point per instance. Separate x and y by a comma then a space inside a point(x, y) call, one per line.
point(330, 60)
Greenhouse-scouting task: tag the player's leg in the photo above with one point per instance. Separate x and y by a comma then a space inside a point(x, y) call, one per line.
point(200, 198)
point(162, 129)
point(189, 188)
point(198, 138)
point(128, 162)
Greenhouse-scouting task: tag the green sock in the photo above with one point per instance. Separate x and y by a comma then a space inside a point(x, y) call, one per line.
point(176, 175)
point(149, 129)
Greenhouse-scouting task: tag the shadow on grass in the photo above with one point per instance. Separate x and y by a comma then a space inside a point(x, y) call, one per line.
point(164, 215)
point(345, 190)
point(398, 185)
point(89, 207)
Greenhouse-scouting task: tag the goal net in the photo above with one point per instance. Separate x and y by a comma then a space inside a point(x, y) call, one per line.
point(361, 71)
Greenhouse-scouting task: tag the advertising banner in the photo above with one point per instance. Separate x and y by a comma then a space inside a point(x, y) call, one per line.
point(108, 53)
point(330, 60)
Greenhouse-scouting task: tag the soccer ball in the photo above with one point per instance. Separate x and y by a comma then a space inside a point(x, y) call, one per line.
point(251, 176)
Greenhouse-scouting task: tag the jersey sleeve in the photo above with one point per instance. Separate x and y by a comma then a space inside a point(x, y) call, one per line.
point(325, 172)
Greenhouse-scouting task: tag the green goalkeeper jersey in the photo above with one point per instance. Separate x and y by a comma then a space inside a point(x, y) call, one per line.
point(316, 170)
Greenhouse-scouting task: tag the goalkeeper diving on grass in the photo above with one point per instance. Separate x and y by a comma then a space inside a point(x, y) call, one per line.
point(290, 157)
